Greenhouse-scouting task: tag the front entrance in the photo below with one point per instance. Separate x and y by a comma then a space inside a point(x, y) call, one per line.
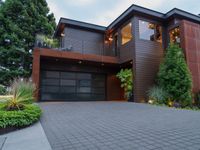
point(72, 86)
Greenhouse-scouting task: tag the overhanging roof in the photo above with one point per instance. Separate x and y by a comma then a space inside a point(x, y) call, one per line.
point(79, 24)
point(133, 9)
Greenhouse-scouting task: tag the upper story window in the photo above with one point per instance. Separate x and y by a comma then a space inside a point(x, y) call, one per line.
point(174, 35)
point(126, 33)
point(150, 31)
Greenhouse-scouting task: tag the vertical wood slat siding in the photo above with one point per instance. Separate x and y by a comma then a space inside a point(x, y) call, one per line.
point(83, 41)
point(126, 52)
point(191, 44)
point(148, 55)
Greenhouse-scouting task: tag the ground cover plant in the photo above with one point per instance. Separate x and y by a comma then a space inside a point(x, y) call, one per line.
point(18, 110)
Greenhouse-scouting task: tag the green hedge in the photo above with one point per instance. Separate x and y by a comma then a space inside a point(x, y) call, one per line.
point(22, 118)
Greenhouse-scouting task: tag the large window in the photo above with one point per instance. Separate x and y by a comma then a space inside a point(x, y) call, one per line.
point(150, 31)
point(175, 35)
point(126, 33)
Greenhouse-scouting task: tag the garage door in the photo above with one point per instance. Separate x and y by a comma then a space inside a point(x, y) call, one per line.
point(72, 86)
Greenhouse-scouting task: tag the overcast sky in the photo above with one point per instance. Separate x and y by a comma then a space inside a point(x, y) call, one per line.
point(103, 12)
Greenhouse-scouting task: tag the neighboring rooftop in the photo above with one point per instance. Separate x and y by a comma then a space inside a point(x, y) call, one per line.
point(133, 9)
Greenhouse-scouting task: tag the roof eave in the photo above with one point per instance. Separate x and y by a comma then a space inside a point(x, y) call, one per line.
point(133, 9)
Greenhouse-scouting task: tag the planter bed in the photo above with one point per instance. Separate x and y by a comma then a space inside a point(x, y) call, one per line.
point(14, 120)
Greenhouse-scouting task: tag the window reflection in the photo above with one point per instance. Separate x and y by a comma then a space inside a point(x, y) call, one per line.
point(126, 33)
point(150, 31)
point(175, 35)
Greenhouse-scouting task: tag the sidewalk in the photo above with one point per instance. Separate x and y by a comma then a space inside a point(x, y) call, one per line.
point(30, 138)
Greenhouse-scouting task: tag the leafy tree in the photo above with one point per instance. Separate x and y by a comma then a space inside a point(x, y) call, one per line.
point(20, 21)
point(174, 76)
point(126, 78)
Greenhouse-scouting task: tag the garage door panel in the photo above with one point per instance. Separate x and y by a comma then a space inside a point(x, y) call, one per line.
point(84, 76)
point(51, 74)
point(72, 86)
point(84, 90)
point(67, 75)
point(51, 82)
point(50, 89)
point(68, 97)
point(49, 96)
point(67, 89)
point(85, 82)
point(64, 82)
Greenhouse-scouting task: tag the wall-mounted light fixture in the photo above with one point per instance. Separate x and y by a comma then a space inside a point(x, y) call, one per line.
point(110, 39)
point(62, 34)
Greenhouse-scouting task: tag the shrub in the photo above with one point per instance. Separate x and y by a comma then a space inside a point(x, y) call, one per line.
point(22, 93)
point(2, 90)
point(45, 41)
point(157, 95)
point(126, 78)
point(174, 76)
point(30, 114)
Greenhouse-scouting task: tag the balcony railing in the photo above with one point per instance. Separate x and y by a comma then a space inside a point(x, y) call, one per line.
point(76, 45)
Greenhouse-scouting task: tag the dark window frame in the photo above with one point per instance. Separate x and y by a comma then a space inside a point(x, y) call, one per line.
point(132, 34)
point(155, 23)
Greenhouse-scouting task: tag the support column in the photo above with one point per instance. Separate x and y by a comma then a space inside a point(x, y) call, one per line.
point(36, 71)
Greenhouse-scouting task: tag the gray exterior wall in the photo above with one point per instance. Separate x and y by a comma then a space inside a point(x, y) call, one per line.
point(148, 55)
point(84, 41)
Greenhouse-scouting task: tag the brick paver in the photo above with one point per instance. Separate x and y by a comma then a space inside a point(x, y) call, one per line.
point(119, 126)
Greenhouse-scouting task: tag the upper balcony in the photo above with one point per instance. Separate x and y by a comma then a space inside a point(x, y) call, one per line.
point(80, 51)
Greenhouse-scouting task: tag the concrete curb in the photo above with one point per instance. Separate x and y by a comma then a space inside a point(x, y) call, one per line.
point(30, 138)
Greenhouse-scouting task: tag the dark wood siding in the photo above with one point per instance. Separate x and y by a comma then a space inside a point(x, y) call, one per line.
point(83, 41)
point(148, 55)
point(126, 52)
point(190, 34)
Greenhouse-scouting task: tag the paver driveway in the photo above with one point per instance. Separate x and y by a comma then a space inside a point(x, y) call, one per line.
point(119, 126)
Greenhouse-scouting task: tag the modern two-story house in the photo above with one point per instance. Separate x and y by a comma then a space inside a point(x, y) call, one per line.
point(84, 67)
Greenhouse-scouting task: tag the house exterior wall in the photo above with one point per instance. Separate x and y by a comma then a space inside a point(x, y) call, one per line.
point(87, 43)
point(148, 55)
point(84, 41)
point(191, 46)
